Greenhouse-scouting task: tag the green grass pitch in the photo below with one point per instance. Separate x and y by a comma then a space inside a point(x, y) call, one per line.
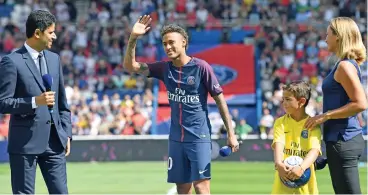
point(150, 178)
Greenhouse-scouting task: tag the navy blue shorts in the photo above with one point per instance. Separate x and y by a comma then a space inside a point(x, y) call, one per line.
point(189, 162)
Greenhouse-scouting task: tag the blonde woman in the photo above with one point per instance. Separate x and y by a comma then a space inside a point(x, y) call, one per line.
point(343, 99)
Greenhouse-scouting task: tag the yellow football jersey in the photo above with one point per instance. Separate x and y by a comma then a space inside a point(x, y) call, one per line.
point(297, 142)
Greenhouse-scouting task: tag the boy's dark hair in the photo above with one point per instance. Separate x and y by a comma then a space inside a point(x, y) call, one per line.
point(39, 19)
point(300, 89)
point(175, 28)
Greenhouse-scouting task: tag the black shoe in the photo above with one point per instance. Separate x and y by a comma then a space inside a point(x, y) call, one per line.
point(320, 163)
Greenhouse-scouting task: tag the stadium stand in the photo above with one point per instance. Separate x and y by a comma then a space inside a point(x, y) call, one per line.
point(288, 37)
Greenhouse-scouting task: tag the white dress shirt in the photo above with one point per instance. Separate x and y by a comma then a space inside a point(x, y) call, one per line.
point(34, 55)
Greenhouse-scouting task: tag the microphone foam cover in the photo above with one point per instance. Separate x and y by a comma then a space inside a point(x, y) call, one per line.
point(47, 81)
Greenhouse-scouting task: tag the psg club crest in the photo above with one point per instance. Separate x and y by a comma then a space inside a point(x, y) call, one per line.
point(304, 134)
point(191, 80)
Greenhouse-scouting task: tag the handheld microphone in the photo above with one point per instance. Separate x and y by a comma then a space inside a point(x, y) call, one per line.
point(227, 150)
point(47, 82)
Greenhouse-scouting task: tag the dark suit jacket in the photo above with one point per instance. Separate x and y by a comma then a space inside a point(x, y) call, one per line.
point(20, 80)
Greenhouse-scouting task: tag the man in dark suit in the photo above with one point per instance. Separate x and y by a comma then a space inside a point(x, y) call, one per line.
point(36, 135)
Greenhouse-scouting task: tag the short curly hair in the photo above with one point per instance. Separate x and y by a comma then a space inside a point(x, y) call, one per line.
point(175, 28)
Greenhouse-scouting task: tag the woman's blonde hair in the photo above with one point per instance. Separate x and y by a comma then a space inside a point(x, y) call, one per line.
point(350, 44)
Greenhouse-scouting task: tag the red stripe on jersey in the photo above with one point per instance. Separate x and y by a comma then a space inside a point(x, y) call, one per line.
point(181, 109)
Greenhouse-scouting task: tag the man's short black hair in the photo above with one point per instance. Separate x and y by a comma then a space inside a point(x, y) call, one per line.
point(39, 19)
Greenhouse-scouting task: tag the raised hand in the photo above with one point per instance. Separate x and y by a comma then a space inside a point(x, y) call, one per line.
point(141, 26)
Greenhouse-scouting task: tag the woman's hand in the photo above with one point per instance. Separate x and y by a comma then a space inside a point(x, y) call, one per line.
point(314, 121)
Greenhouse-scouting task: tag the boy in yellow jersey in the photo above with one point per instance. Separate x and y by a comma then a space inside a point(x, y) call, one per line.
point(290, 139)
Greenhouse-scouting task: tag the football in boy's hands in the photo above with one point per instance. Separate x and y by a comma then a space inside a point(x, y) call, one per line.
point(293, 161)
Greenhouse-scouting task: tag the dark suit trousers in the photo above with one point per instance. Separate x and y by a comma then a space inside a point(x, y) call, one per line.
point(343, 159)
point(52, 164)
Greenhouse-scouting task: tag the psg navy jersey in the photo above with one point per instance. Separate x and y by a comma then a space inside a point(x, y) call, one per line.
point(187, 90)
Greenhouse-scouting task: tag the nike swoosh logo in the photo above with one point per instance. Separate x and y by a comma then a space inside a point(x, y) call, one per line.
point(201, 172)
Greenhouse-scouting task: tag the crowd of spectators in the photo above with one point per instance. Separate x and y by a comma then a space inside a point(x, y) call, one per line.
point(92, 40)
point(295, 49)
